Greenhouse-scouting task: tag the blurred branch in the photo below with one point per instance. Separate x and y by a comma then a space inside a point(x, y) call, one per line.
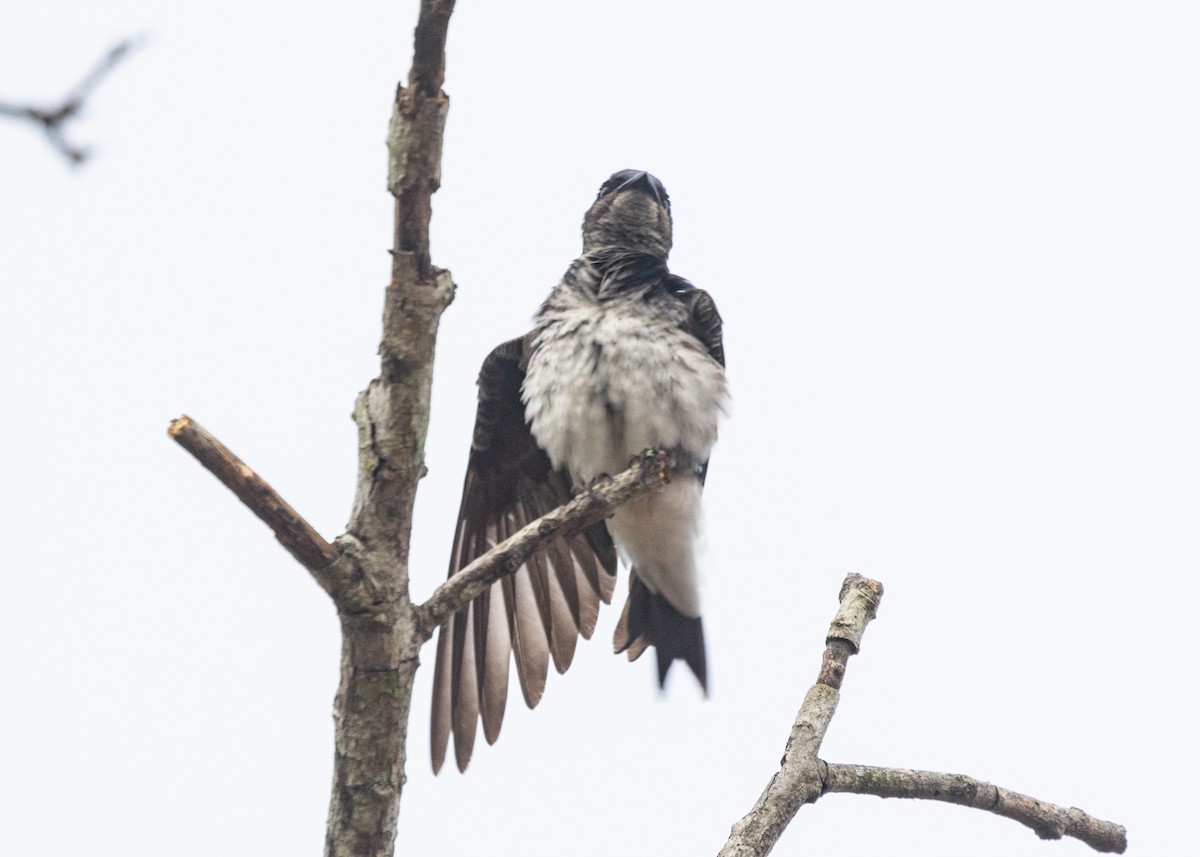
point(803, 778)
point(52, 120)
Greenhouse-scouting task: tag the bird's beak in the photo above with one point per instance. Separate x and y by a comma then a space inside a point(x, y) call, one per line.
point(641, 179)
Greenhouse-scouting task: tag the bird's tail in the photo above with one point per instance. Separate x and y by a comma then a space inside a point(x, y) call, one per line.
point(649, 620)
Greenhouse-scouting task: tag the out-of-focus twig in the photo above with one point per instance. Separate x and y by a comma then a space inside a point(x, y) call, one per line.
point(53, 119)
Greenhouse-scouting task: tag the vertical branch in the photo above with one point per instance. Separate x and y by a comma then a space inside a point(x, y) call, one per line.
point(380, 642)
point(799, 779)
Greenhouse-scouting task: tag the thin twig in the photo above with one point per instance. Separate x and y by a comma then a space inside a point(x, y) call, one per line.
point(52, 120)
point(1047, 820)
point(415, 144)
point(648, 473)
point(799, 778)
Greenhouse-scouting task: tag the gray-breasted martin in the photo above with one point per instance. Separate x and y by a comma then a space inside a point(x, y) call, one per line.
point(624, 356)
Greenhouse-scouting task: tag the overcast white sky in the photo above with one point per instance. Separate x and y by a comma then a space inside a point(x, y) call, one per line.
point(955, 248)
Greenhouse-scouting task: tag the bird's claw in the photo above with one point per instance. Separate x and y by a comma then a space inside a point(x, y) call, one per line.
point(653, 460)
point(590, 488)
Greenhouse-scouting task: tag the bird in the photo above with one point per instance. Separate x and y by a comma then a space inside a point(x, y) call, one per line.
point(623, 356)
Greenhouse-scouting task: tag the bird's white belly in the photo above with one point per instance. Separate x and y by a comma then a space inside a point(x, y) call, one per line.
point(603, 385)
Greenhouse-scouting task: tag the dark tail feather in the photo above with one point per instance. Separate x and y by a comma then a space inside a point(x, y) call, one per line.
point(649, 620)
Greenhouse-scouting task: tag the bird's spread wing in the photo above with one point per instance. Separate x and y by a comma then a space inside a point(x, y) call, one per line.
point(539, 612)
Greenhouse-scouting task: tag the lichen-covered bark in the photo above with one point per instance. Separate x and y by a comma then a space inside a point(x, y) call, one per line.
point(372, 705)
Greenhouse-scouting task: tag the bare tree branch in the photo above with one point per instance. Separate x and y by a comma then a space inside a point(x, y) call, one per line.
point(54, 119)
point(799, 778)
point(1045, 819)
point(651, 470)
point(380, 631)
point(428, 70)
point(294, 533)
point(804, 778)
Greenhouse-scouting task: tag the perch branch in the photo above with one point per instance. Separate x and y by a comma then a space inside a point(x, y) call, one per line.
point(1047, 820)
point(293, 532)
point(649, 472)
point(52, 120)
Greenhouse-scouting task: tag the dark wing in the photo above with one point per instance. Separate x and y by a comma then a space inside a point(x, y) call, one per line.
point(540, 611)
point(704, 323)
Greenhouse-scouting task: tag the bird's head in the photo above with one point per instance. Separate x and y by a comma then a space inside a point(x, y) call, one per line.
point(631, 212)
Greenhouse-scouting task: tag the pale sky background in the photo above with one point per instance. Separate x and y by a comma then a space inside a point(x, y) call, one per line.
point(955, 247)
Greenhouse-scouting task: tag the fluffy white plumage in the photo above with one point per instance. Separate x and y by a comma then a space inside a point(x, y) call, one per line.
point(608, 379)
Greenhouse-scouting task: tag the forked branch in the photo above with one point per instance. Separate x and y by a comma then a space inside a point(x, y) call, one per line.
point(804, 778)
point(53, 119)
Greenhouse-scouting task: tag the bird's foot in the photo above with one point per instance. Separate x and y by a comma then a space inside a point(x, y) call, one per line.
point(600, 479)
point(590, 488)
point(654, 460)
